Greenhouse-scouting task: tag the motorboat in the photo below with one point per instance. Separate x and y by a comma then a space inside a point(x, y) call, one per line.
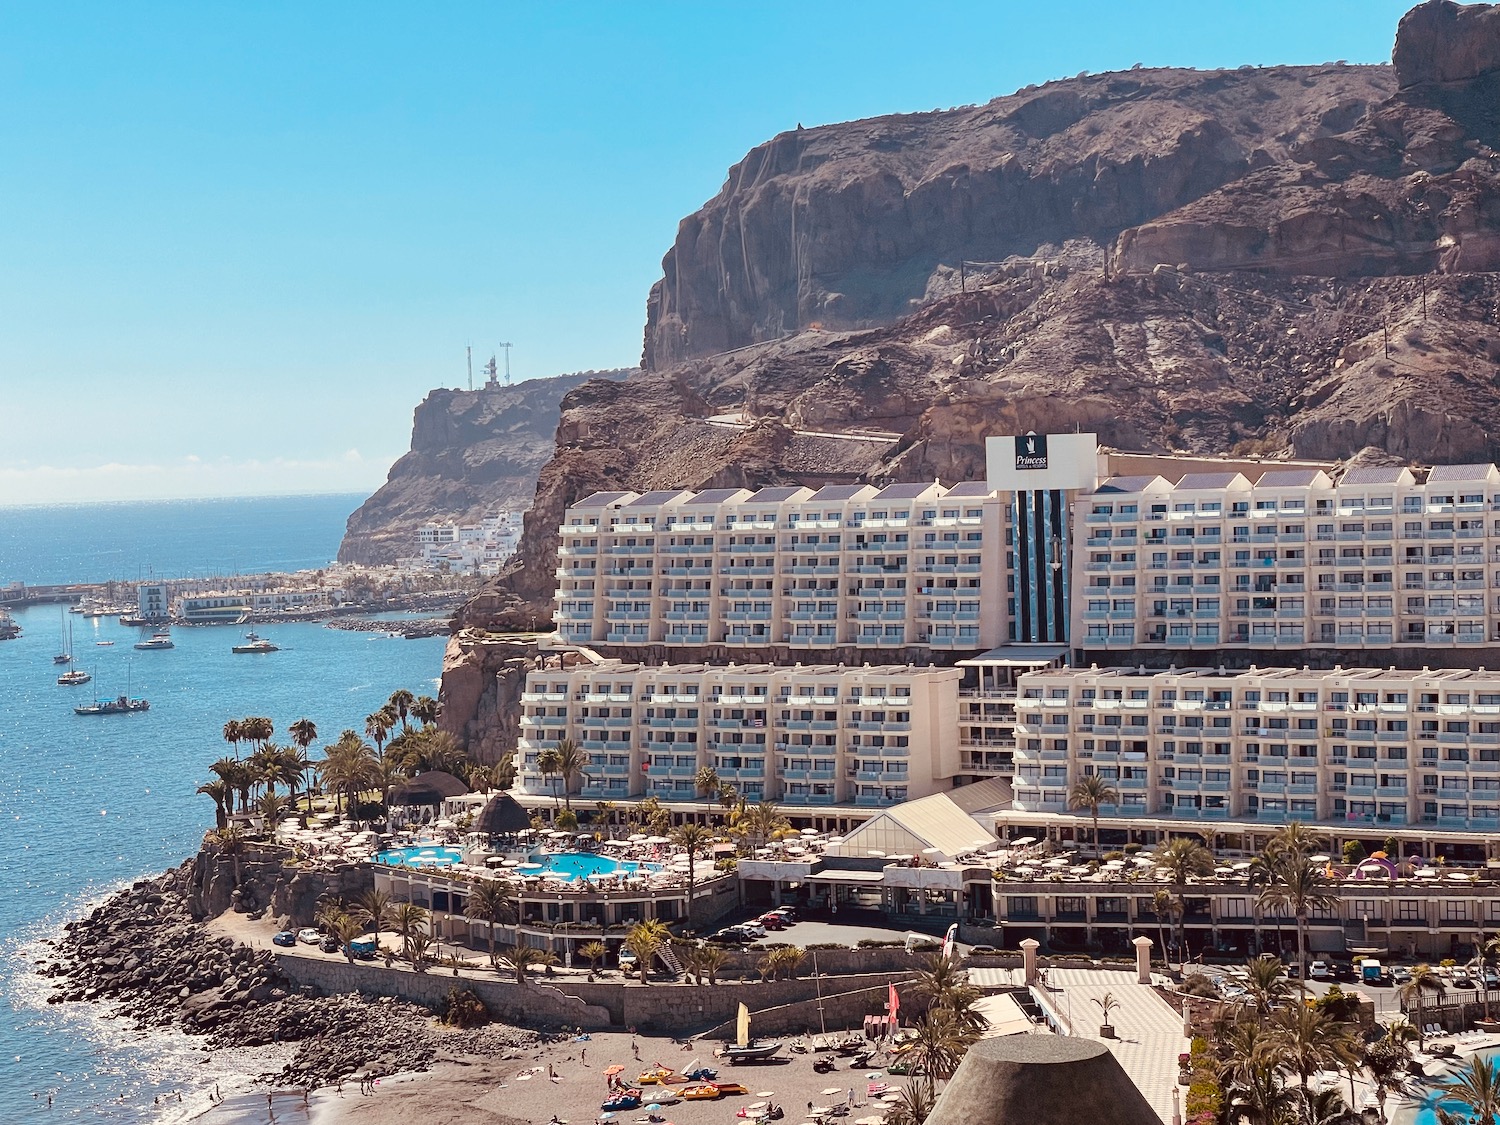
point(122, 705)
point(73, 677)
point(155, 641)
point(254, 643)
point(746, 1049)
point(104, 644)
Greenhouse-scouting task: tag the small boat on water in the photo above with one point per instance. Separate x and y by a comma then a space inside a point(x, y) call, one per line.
point(73, 677)
point(745, 1049)
point(157, 640)
point(254, 643)
point(122, 705)
point(66, 655)
point(62, 658)
point(104, 644)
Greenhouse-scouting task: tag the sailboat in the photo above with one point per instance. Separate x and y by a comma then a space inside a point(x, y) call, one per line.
point(745, 1049)
point(66, 655)
point(121, 705)
point(73, 676)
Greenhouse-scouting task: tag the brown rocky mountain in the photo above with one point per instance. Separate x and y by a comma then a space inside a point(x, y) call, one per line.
point(1293, 260)
point(471, 453)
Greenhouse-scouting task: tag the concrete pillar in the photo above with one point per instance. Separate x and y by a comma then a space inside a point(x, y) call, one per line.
point(1028, 960)
point(1143, 959)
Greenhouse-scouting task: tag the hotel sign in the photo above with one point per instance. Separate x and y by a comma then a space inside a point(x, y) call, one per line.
point(1031, 451)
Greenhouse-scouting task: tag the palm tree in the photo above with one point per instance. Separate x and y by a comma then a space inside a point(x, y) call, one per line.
point(1477, 1085)
point(271, 807)
point(426, 710)
point(1385, 1062)
point(1296, 838)
point(349, 767)
point(918, 1097)
point(347, 928)
point(232, 843)
point(941, 977)
point(572, 765)
point(229, 771)
point(490, 901)
point(408, 920)
point(764, 820)
point(1089, 792)
point(940, 1044)
point(267, 765)
point(294, 765)
point(377, 728)
point(1308, 1039)
point(645, 940)
point(220, 794)
point(1423, 979)
point(692, 837)
point(523, 957)
point(234, 735)
point(706, 781)
point(1266, 984)
point(257, 729)
point(607, 810)
point(1183, 856)
point(400, 702)
point(374, 907)
point(593, 952)
point(304, 733)
point(415, 950)
point(548, 763)
point(713, 961)
point(1297, 887)
point(1106, 1004)
point(1258, 1096)
point(1168, 908)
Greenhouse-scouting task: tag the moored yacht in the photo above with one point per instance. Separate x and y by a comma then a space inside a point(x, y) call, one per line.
point(157, 640)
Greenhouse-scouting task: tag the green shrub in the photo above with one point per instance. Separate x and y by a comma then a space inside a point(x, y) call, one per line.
point(874, 943)
point(825, 945)
point(463, 1009)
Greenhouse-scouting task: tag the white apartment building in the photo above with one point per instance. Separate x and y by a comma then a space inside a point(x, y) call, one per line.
point(480, 548)
point(799, 735)
point(1382, 557)
point(842, 566)
point(1388, 748)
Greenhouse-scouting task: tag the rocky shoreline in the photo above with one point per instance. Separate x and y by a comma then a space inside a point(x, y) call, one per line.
point(144, 954)
point(411, 630)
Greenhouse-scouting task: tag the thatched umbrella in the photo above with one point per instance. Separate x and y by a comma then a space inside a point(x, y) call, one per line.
point(1041, 1080)
point(430, 788)
point(503, 816)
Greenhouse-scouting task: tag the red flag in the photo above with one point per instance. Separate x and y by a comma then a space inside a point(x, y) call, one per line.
point(893, 1005)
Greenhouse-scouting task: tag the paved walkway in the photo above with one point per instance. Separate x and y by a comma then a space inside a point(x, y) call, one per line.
point(1150, 1032)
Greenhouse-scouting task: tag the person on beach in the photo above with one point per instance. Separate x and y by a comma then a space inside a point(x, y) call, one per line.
point(583, 1056)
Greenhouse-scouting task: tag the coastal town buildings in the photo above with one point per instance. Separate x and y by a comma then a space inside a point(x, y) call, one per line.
point(479, 549)
point(219, 600)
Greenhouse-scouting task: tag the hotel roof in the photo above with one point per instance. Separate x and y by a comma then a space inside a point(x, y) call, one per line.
point(1453, 474)
point(658, 498)
point(1212, 480)
point(1129, 484)
point(907, 491)
point(779, 493)
point(1289, 478)
point(603, 499)
point(1377, 474)
point(720, 496)
point(843, 492)
point(971, 488)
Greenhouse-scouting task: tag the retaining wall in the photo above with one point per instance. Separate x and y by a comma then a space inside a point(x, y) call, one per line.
point(839, 1012)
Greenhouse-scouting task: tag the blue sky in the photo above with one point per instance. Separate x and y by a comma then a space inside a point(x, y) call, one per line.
point(241, 242)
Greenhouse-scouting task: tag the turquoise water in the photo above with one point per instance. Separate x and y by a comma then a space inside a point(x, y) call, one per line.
point(584, 865)
point(89, 803)
point(1425, 1114)
point(420, 855)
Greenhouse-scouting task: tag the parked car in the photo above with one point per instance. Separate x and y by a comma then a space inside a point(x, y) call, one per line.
point(1319, 970)
point(627, 959)
point(329, 944)
point(753, 930)
point(787, 913)
point(772, 921)
point(729, 935)
point(310, 936)
point(1491, 978)
point(1462, 979)
point(363, 948)
point(284, 937)
point(1344, 970)
point(1400, 974)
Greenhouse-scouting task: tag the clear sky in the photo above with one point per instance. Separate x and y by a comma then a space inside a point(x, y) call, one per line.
point(241, 241)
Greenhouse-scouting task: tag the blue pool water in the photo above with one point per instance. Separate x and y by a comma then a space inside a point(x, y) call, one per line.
point(1425, 1114)
point(420, 855)
point(583, 865)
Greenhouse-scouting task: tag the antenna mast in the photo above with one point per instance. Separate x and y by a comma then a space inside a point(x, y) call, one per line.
point(469, 356)
point(507, 362)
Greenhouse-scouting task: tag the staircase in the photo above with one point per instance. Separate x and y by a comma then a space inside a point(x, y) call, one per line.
point(668, 958)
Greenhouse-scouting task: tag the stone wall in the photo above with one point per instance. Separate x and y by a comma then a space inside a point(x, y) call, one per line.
point(836, 962)
point(836, 1012)
point(259, 879)
point(531, 1005)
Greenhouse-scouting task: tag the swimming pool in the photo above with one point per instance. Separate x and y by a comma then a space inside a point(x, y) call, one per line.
point(1433, 1099)
point(420, 855)
point(583, 865)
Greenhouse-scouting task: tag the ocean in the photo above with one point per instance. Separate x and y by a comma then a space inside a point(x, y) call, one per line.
point(88, 804)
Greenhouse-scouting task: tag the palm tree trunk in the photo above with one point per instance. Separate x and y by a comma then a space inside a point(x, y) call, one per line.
point(1302, 954)
point(1098, 848)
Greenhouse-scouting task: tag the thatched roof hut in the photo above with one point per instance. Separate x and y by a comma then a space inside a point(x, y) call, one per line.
point(503, 816)
point(1041, 1080)
point(430, 788)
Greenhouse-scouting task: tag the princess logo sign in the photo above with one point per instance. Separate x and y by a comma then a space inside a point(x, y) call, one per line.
point(1031, 451)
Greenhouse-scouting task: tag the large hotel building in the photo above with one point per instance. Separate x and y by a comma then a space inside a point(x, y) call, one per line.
point(856, 647)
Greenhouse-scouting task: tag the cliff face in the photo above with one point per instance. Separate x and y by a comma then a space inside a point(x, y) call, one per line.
point(1293, 260)
point(471, 453)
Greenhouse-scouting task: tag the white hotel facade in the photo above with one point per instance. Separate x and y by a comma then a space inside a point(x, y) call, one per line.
point(1122, 558)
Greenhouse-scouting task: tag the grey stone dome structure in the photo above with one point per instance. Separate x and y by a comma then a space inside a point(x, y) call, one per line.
point(1041, 1080)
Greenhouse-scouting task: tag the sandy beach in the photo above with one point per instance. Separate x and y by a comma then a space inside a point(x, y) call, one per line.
point(466, 1091)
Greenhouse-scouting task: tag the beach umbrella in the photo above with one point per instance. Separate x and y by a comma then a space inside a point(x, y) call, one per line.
point(766, 1094)
point(607, 1115)
point(756, 1105)
point(833, 1090)
point(614, 1069)
point(653, 1107)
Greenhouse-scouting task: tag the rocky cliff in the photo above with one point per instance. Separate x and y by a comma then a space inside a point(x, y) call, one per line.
point(472, 452)
point(1292, 260)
